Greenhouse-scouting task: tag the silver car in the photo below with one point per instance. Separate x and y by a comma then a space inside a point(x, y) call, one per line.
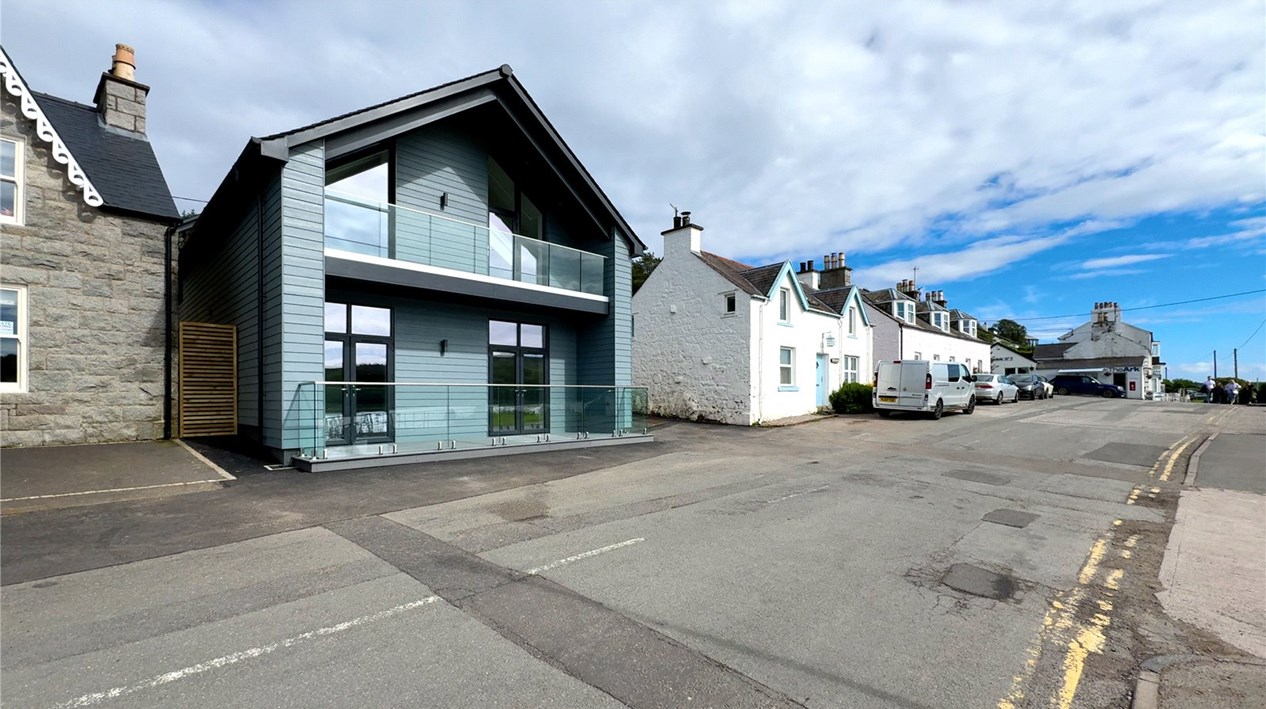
point(995, 388)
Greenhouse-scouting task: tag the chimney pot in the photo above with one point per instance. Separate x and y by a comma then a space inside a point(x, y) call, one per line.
point(811, 264)
point(124, 65)
point(685, 218)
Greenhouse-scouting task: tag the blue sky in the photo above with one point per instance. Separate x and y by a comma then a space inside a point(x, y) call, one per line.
point(1029, 159)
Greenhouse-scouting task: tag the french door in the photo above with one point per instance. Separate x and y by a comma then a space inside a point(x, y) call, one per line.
point(358, 351)
point(518, 375)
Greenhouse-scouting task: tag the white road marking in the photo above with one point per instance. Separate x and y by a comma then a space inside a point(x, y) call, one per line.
point(113, 489)
point(219, 471)
point(585, 555)
point(234, 658)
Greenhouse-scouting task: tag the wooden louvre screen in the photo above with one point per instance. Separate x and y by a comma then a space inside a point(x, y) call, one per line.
point(208, 379)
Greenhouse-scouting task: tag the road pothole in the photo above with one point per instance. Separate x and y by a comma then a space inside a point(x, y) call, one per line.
point(978, 581)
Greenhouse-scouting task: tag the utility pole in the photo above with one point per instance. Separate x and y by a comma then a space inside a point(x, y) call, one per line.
point(1235, 360)
point(1215, 364)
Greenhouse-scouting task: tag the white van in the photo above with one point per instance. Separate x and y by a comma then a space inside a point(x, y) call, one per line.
point(919, 385)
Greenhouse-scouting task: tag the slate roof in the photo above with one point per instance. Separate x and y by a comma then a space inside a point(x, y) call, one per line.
point(757, 280)
point(1049, 352)
point(880, 300)
point(121, 165)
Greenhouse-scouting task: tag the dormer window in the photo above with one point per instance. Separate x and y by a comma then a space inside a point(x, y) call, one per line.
point(904, 310)
point(939, 320)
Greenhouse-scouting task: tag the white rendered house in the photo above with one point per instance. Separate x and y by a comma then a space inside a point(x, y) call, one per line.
point(718, 340)
point(907, 328)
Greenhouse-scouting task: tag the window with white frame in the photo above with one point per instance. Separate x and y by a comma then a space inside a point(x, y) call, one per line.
point(729, 303)
point(787, 366)
point(951, 358)
point(13, 344)
point(918, 355)
point(936, 358)
point(784, 305)
point(850, 368)
point(904, 310)
point(10, 181)
point(852, 321)
point(971, 327)
point(939, 320)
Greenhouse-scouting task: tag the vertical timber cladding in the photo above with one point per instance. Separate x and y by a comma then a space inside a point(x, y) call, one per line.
point(208, 379)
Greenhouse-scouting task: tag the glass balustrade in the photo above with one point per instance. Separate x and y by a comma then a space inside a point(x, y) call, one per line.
point(395, 232)
point(339, 419)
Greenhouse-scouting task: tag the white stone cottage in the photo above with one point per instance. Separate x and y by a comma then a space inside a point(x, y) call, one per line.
point(907, 328)
point(1008, 360)
point(718, 340)
point(1108, 349)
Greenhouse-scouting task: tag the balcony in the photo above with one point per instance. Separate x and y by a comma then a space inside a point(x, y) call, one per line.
point(400, 234)
point(349, 424)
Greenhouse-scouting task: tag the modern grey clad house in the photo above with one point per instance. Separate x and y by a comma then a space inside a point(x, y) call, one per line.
point(433, 276)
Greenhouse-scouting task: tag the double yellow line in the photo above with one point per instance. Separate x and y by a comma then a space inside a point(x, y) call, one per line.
point(1061, 628)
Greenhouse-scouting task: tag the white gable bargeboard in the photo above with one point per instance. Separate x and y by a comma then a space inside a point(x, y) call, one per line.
point(691, 355)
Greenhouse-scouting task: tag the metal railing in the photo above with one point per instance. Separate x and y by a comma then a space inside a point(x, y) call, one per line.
point(351, 418)
point(392, 231)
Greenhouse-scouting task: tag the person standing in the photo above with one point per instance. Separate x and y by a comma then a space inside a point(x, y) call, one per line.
point(1232, 391)
point(1209, 386)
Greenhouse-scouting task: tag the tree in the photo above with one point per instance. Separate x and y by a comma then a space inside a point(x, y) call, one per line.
point(1011, 331)
point(643, 266)
point(1179, 384)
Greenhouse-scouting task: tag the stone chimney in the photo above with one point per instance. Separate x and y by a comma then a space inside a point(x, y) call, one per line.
point(938, 297)
point(683, 238)
point(1106, 314)
point(809, 276)
point(120, 99)
point(835, 274)
point(908, 287)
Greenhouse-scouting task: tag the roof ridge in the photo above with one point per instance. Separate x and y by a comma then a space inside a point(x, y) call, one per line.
point(380, 104)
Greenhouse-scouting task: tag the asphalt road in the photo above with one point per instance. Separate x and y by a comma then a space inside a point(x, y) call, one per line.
point(999, 559)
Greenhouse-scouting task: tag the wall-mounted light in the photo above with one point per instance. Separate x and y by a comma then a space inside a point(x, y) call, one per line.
point(443, 200)
point(443, 347)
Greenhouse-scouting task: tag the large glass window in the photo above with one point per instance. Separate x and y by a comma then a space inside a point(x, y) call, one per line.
point(357, 215)
point(10, 182)
point(358, 349)
point(518, 375)
point(509, 210)
point(13, 345)
point(787, 366)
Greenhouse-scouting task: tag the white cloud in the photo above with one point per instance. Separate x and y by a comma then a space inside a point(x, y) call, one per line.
point(789, 129)
point(1115, 261)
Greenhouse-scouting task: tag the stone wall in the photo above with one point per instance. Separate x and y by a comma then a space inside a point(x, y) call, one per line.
point(95, 324)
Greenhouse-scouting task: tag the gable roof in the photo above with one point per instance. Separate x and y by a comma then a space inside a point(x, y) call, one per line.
point(836, 299)
point(113, 169)
point(1012, 350)
point(121, 164)
point(760, 281)
point(356, 129)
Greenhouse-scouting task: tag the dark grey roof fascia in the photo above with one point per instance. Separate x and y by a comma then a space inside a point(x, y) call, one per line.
point(121, 164)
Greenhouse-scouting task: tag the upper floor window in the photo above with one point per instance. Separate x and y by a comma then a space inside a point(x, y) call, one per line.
point(729, 302)
point(940, 320)
point(13, 344)
point(11, 187)
point(904, 310)
point(509, 210)
point(852, 321)
point(364, 177)
point(784, 305)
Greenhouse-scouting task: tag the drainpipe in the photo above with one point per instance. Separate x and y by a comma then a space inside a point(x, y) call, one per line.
point(259, 315)
point(760, 360)
point(167, 303)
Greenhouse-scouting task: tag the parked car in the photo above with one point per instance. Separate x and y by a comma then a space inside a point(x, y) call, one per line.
point(996, 388)
point(1088, 386)
point(1031, 386)
point(922, 386)
point(1050, 388)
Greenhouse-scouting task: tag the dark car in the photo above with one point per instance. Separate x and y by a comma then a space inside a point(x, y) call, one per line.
point(1031, 386)
point(1082, 384)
